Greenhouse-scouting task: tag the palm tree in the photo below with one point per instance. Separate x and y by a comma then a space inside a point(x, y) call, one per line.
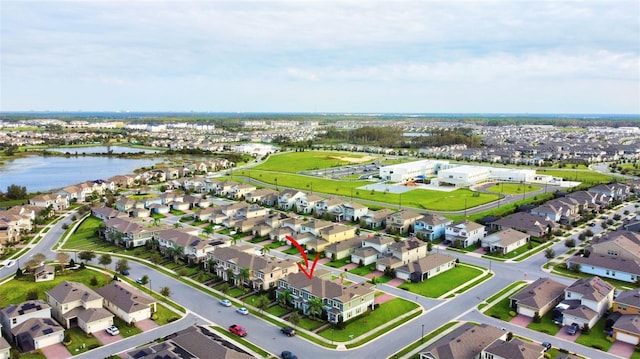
point(156, 221)
point(285, 297)
point(208, 230)
point(294, 318)
point(177, 225)
point(234, 240)
point(244, 275)
point(230, 275)
point(264, 250)
point(315, 307)
point(210, 264)
point(178, 252)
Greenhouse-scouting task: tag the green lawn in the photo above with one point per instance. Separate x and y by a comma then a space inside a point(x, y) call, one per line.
point(589, 177)
point(364, 270)
point(358, 326)
point(277, 310)
point(294, 162)
point(500, 310)
point(443, 283)
point(80, 341)
point(596, 337)
point(339, 263)
point(15, 291)
point(309, 324)
point(546, 325)
point(164, 315)
point(85, 233)
point(513, 188)
point(126, 330)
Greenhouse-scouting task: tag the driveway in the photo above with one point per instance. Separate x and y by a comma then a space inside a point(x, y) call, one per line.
point(56, 351)
point(562, 334)
point(521, 320)
point(383, 298)
point(106, 338)
point(622, 349)
point(395, 282)
point(146, 324)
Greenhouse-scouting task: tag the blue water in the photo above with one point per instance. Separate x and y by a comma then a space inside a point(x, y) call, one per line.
point(100, 149)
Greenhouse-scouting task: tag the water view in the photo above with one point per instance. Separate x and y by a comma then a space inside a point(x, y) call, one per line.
point(101, 149)
point(39, 173)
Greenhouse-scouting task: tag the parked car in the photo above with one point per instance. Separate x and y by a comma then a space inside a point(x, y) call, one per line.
point(573, 329)
point(547, 346)
point(288, 331)
point(288, 355)
point(139, 280)
point(113, 330)
point(243, 311)
point(124, 272)
point(238, 330)
point(225, 302)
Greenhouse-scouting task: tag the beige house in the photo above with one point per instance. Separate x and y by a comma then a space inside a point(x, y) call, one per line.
point(426, 267)
point(126, 302)
point(401, 253)
point(402, 221)
point(74, 304)
point(504, 241)
point(194, 248)
point(263, 273)
point(540, 297)
point(56, 201)
point(44, 273)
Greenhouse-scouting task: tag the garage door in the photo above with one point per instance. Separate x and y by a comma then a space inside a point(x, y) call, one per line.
point(526, 311)
point(627, 338)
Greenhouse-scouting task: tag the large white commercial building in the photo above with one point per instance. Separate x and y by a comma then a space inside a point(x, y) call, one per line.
point(410, 171)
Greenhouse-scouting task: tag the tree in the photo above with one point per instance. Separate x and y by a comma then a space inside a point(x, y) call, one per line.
point(38, 258)
point(549, 253)
point(265, 250)
point(244, 275)
point(87, 256)
point(105, 260)
point(285, 297)
point(165, 291)
point(177, 252)
point(262, 302)
point(144, 280)
point(122, 265)
point(315, 307)
point(62, 258)
point(343, 275)
point(294, 318)
point(177, 225)
point(16, 192)
point(224, 288)
point(570, 242)
point(208, 230)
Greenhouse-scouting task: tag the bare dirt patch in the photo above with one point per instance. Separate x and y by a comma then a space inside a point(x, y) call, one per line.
point(353, 159)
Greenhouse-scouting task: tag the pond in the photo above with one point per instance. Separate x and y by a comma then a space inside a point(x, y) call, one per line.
point(101, 149)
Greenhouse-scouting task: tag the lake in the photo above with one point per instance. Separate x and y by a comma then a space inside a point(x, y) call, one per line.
point(39, 173)
point(100, 149)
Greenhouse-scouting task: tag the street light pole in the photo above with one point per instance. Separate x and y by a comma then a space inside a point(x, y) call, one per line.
point(422, 338)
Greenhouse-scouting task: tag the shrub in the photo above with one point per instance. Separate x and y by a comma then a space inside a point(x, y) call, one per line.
point(154, 316)
point(93, 346)
point(512, 313)
point(172, 319)
point(32, 294)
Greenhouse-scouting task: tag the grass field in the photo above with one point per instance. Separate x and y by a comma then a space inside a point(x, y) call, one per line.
point(589, 177)
point(293, 162)
point(513, 188)
point(443, 283)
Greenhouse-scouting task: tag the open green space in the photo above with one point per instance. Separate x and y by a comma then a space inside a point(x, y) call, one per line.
point(371, 320)
point(588, 177)
point(513, 188)
point(85, 232)
point(293, 162)
point(277, 310)
point(443, 283)
point(500, 310)
point(164, 315)
point(15, 291)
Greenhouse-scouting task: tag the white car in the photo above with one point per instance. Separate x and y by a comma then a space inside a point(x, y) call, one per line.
point(243, 311)
point(113, 330)
point(225, 302)
point(9, 263)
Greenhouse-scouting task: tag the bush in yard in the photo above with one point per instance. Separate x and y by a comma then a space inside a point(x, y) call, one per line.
point(512, 313)
point(67, 339)
point(586, 329)
point(536, 317)
point(32, 294)
point(182, 272)
point(570, 242)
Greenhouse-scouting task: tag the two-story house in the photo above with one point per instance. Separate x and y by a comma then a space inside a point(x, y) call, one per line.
point(29, 326)
point(402, 221)
point(192, 247)
point(431, 226)
point(376, 219)
point(307, 203)
point(464, 233)
point(126, 302)
point(129, 232)
point(57, 201)
point(401, 253)
point(287, 199)
point(74, 304)
point(587, 299)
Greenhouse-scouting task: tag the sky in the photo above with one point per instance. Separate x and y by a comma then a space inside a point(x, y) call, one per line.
point(362, 56)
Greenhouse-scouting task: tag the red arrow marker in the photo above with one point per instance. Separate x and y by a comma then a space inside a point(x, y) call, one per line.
point(304, 256)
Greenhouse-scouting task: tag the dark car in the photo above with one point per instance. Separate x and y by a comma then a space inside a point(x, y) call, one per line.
point(124, 272)
point(573, 329)
point(288, 331)
point(547, 346)
point(288, 355)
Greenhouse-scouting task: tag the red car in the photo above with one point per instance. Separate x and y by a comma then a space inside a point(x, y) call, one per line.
point(238, 330)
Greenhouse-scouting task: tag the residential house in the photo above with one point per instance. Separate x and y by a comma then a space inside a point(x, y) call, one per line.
point(223, 189)
point(560, 210)
point(627, 327)
point(74, 304)
point(241, 190)
point(617, 191)
point(263, 196)
point(401, 253)
point(193, 247)
point(426, 267)
point(126, 302)
point(15, 314)
point(287, 199)
point(533, 225)
point(105, 213)
point(36, 333)
point(307, 204)
point(331, 234)
point(44, 273)
point(330, 208)
point(339, 302)
point(613, 255)
point(431, 226)
point(593, 201)
point(354, 211)
point(130, 233)
point(467, 341)
point(464, 233)
point(5, 349)
point(587, 299)
point(10, 226)
point(376, 219)
point(513, 349)
point(402, 221)
point(125, 204)
point(57, 201)
point(505, 241)
point(192, 342)
point(539, 297)
point(263, 273)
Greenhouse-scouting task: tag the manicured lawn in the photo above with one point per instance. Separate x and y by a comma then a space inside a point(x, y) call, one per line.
point(596, 337)
point(513, 188)
point(384, 314)
point(339, 263)
point(500, 310)
point(511, 288)
point(518, 251)
point(293, 162)
point(309, 324)
point(292, 251)
point(15, 291)
point(30, 355)
point(80, 342)
point(235, 292)
point(364, 270)
point(590, 177)
point(546, 325)
point(85, 233)
point(126, 330)
point(277, 310)
point(164, 315)
point(443, 283)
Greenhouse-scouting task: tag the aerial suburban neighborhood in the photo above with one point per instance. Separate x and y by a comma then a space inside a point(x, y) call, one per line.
point(341, 246)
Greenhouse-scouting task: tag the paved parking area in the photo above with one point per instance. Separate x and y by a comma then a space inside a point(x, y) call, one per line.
point(521, 320)
point(146, 324)
point(106, 338)
point(562, 334)
point(56, 351)
point(624, 350)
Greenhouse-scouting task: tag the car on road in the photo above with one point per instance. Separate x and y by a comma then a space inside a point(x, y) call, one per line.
point(9, 263)
point(113, 330)
point(225, 303)
point(573, 329)
point(139, 280)
point(288, 355)
point(243, 311)
point(124, 272)
point(288, 331)
point(547, 346)
point(238, 330)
